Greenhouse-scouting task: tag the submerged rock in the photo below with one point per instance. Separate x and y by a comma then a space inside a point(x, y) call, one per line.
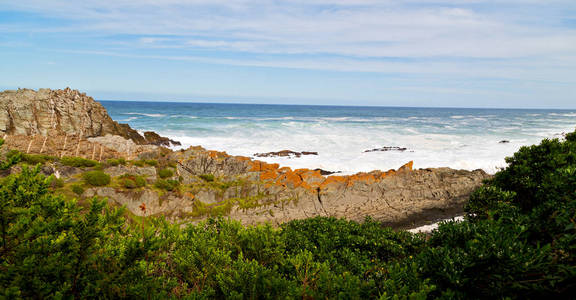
point(387, 148)
point(285, 153)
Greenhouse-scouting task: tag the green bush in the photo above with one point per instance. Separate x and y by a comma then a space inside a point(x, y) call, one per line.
point(96, 178)
point(116, 161)
point(34, 159)
point(512, 245)
point(144, 162)
point(56, 182)
point(131, 181)
point(167, 184)
point(165, 173)
point(207, 177)
point(12, 157)
point(77, 189)
point(78, 162)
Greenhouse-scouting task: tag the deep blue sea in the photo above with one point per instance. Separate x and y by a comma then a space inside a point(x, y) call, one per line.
point(460, 138)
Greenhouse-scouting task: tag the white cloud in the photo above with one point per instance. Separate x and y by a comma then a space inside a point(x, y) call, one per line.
point(359, 30)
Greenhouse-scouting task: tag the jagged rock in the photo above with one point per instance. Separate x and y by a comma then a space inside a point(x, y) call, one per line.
point(325, 173)
point(285, 153)
point(155, 139)
point(67, 112)
point(168, 205)
point(123, 145)
point(278, 195)
point(386, 148)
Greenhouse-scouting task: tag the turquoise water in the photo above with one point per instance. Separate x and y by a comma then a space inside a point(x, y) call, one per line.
point(435, 137)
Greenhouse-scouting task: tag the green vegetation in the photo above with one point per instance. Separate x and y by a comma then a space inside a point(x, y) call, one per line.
point(167, 184)
point(96, 178)
point(144, 162)
point(518, 242)
point(11, 159)
point(31, 159)
point(116, 161)
point(78, 162)
point(77, 189)
point(131, 181)
point(207, 177)
point(165, 173)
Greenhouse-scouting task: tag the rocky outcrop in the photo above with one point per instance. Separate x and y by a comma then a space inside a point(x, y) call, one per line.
point(155, 139)
point(64, 112)
point(285, 153)
point(211, 183)
point(387, 148)
point(255, 191)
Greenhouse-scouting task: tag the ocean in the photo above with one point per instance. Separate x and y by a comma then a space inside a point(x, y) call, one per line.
point(460, 138)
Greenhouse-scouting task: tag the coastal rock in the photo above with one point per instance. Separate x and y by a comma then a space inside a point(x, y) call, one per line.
point(155, 139)
point(65, 112)
point(387, 148)
point(169, 205)
point(285, 153)
point(256, 192)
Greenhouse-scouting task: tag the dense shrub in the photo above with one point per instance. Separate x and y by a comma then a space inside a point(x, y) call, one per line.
point(56, 182)
point(165, 173)
point(12, 158)
point(166, 184)
point(77, 189)
point(96, 178)
point(78, 162)
point(144, 162)
point(131, 181)
point(207, 177)
point(513, 245)
point(116, 161)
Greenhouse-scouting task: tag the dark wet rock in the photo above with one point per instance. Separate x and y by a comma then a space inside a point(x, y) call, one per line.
point(387, 148)
point(326, 173)
point(285, 153)
point(155, 139)
point(47, 170)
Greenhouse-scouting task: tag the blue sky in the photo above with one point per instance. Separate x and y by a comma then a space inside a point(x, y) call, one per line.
point(458, 53)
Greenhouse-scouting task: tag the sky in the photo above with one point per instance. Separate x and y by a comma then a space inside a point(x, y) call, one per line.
point(431, 53)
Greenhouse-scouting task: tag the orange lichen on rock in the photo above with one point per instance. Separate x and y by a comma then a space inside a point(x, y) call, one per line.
point(407, 166)
point(260, 166)
point(365, 177)
point(268, 175)
point(242, 158)
point(334, 180)
point(290, 179)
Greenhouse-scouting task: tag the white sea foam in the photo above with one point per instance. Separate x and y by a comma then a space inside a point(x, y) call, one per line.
point(342, 148)
point(430, 227)
point(144, 114)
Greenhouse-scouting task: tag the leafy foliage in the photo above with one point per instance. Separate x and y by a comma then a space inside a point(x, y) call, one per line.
point(78, 162)
point(167, 184)
point(96, 178)
point(518, 241)
point(11, 159)
point(165, 173)
point(131, 181)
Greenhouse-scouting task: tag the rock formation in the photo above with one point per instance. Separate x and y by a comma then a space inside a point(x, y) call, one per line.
point(65, 112)
point(211, 183)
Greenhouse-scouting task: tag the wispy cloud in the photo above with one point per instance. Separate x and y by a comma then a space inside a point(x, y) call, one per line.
point(530, 40)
